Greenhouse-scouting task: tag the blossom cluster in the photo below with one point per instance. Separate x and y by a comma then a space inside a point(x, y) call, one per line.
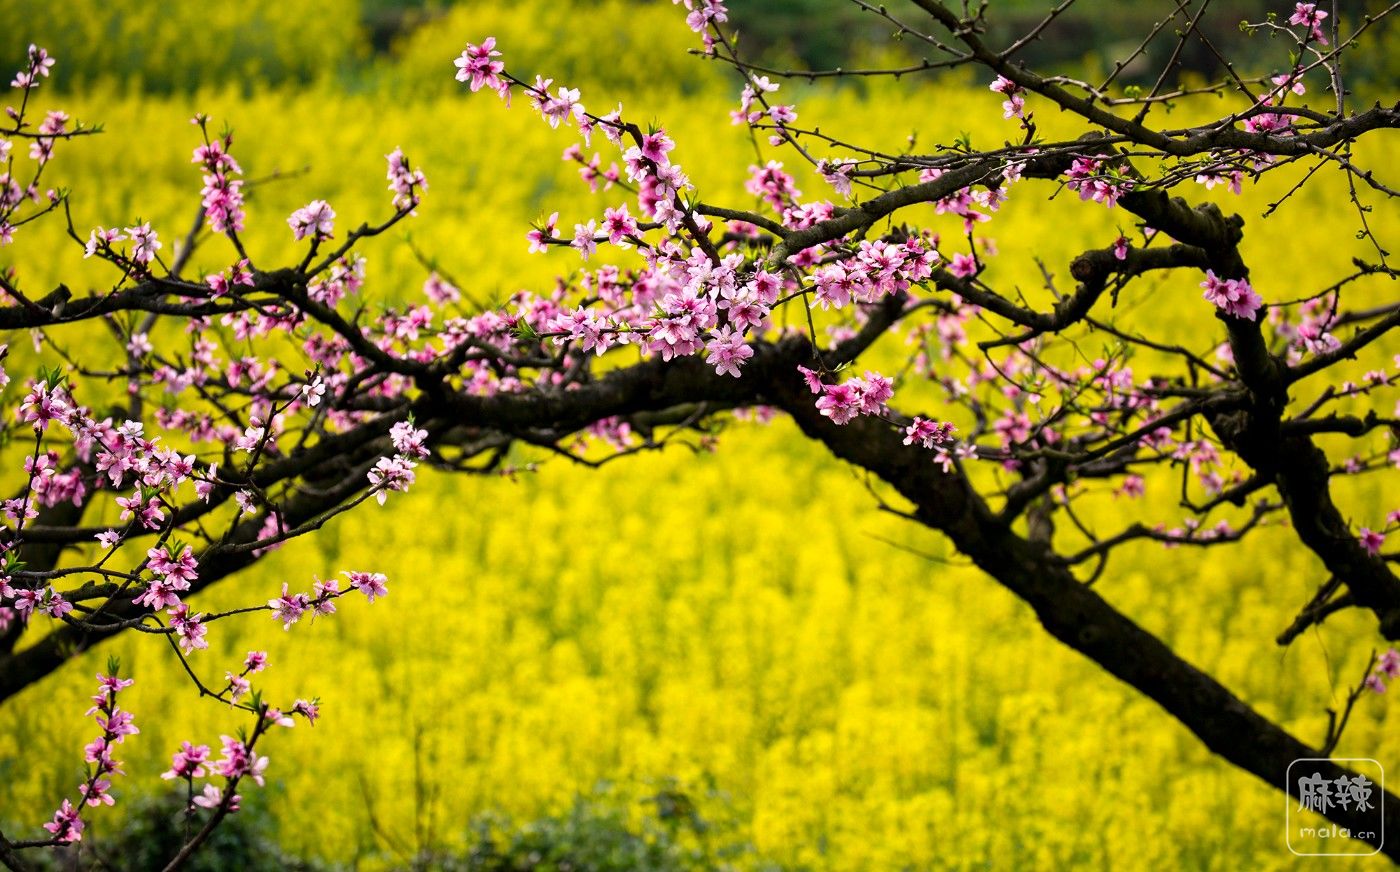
point(67, 824)
point(1309, 16)
point(1015, 104)
point(222, 194)
point(1095, 180)
point(1232, 296)
point(1387, 665)
point(290, 607)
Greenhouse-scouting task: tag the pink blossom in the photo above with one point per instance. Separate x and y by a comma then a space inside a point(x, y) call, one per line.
point(440, 291)
point(54, 605)
point(928, 433)
point(238, 686)
point(583, 238)
point(839, 402)
point(1015, 104)
point(315, 219)
point(95, 792)
point(836, 174)
point(1003, 85)
point(189, 629)
point(562, 106)
point(727, 351)
point(1133, 487)
point(67, 825)
point(288, 607)
point(390, 474)
point(24, 601)
point(1094, 182)
point(963, 266)
point(101, 239)
point(178, 570)
point(1292, 81)
point(1233, 296)
point(108, 686)
point(1309, 16)
point(773, 184)
point(478, 65)
point(188, 762)
point(1013, 427)
point(783, 115)
point(1212, 177)
point(325, 593)
point(702, 12)
point(406, 182)
point(688, 314)
point(1276, 123)
point(656, 145)
point(619, 225)
point(371, 584)
point(148, 512)
point(40, 62)
point(144, 243)
point(118, 724)
point(43, 404)
point(837, 284)
point(812, 379)
point(212, 797)
point(1371, 541)
point(584, 326)
point(1389, 663)
point(408, 440)
point(540, 236)
point(875, 390)
point(54, 123)
point(159, 594)
point(1315, 339)
point(313, 391)
point(222, 195)
point(36, 67)
point(310, 710)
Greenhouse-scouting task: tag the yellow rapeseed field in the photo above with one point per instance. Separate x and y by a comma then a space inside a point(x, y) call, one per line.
point(743, 624)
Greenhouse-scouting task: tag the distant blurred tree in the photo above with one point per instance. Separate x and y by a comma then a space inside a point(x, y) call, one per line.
point(819, 35)
point(815, 33)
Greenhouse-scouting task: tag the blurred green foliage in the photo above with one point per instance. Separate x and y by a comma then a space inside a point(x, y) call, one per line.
point(155, 828)
point(594, 834)
point(398, 46)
